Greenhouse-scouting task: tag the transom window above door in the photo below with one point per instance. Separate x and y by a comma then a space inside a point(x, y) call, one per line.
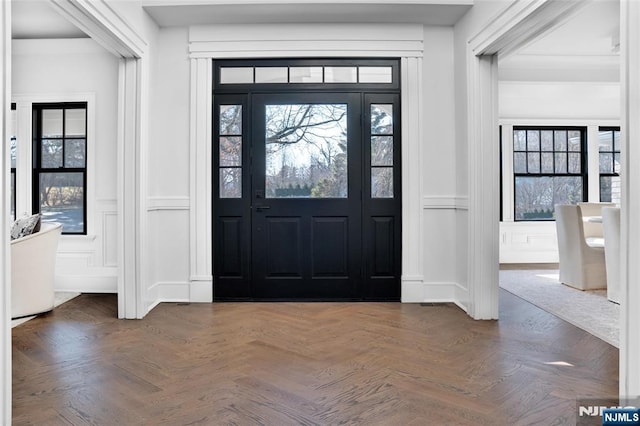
point(308, 72)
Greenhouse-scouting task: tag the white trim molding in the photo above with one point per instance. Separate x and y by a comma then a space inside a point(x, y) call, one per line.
point(107, 27)
point(168, 203)
point(630, 211)
point(5, 203)
point(305, 40)
point(98, 19)
point(521, 23)
point(200, 179)
point(415, 290)
point(450, 202)
point(332, 40)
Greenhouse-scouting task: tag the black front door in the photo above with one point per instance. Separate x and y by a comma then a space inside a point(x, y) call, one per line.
point(306, 196)
point(306, 190)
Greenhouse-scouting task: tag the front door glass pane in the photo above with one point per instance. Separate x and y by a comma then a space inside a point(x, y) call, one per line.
point(306, 151)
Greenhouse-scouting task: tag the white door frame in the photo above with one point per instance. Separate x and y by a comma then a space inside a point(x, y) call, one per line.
point(518, 24)
point(5, 206)
point(98, 20)
point(207, 43)
point(630, 209)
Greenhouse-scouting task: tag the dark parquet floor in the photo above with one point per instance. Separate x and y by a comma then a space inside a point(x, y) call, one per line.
point(304, 364)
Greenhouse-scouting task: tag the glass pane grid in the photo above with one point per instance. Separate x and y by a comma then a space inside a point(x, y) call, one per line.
point(230, 151)
point(381, 116)
point(546, 152)
point(61, 150)
point(547, 166)
point(366, 74)
point(609, 152)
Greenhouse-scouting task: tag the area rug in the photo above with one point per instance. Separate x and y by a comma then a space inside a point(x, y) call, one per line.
point(588, 310)
point(60, 297)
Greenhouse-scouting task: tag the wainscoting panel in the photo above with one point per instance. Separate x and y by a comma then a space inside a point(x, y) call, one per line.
point(439, 280)
point(88, 263)
point(169, 279)
point(528, 242)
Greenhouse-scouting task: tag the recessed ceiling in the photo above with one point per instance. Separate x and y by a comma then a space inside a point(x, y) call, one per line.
point(34, 19)
point(183, 13)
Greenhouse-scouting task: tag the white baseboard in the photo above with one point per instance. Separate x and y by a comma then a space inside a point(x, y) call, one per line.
point(201, 291)
point(414, 290)
point(181, 291)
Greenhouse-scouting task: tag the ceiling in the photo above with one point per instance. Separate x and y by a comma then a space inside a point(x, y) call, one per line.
point(592, 34)
point(37, 19)
point(34, 19)
point(179, 13)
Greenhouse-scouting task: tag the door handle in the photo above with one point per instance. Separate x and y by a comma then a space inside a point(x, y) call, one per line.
point(262, 208)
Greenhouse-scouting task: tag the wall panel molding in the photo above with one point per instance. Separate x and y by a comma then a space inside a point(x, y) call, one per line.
point(330, 40)
point(168, 203)
point(451, 202)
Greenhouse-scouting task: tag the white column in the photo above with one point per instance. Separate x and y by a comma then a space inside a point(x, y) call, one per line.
point(129, 191)
point(412, 224)
point(484, 187)
point(630, 174)
point(201, 286)
point(5, 208)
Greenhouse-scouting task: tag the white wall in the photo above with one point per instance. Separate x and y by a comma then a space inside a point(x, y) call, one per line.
point(169, 167)
point(554, 101)
point(76, 70)
point(440, 202)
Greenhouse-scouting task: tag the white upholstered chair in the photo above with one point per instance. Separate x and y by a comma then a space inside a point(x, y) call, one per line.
point(581, 265)
point(611, 222)
point(593, 229)
point(33, 261)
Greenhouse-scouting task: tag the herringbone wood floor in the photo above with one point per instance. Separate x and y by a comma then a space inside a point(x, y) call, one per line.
point(304, 363)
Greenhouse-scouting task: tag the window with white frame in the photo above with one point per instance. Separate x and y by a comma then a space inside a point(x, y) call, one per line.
point(59, 164)
point(609, 163)
point(549, 168)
